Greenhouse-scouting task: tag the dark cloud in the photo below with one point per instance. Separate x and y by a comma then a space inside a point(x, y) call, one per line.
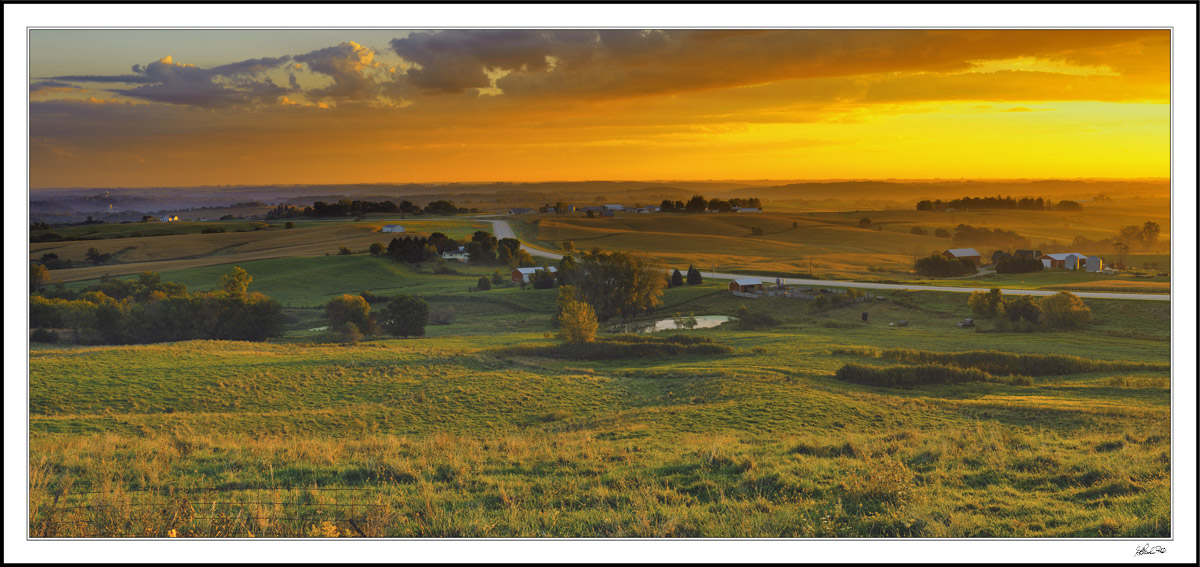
point(619, 63)
point(47, 87)
point(227, 85)
point(349, 65)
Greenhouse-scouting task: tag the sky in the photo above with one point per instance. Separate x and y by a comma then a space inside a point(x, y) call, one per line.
point(131, 108)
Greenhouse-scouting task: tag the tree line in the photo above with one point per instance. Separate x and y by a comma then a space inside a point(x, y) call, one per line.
point(698, 204)
point(148, 310)
point(998, 202)
point(347, 207)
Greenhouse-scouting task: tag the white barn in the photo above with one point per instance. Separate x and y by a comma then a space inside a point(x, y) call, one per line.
point(392, 228)
point(1094, 264)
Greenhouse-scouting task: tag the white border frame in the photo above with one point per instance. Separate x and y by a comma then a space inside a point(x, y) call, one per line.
point(1180, 17)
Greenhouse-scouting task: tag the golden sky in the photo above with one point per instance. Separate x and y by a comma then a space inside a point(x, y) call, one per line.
point(183, 107)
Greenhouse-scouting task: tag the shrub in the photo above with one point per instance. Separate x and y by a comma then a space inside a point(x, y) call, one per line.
point(344, 251)
point(1019, 265)
point(918, 231)
point(484, 284)
point(1064, 310)
point(985, 304)
point(904, 376)
point(289, 224)
point(941, 233)
point(212, 230)
point(376, 249)
point(43, 336)
point(1020, 308)
point(624, 347)
point(578, 322)
point(750, 320)
point(349, 333)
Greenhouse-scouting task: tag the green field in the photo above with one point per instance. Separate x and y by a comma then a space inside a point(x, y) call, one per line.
point(459, 434)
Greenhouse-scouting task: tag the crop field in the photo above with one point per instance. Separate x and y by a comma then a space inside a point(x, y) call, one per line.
point(193, 250)
point(831, 245)
point(464, 433)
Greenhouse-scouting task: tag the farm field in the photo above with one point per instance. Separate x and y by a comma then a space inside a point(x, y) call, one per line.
point(194, 250)
point(831, 245)
point(467, 432)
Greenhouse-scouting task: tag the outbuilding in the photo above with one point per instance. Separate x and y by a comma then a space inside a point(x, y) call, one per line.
point(746, 285)
point(523, 274)
point(1066, 260)
point(963, 254)
point(392, 228)
point(1094, 264)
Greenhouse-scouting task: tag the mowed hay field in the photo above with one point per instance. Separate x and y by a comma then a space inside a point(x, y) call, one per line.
point(164, 253)
point(464, 433)
point(835, 243)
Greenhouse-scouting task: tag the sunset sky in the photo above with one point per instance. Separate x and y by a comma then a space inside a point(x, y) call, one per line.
point(190, 107)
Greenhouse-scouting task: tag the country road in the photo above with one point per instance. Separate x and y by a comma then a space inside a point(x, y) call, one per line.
point(501, 229)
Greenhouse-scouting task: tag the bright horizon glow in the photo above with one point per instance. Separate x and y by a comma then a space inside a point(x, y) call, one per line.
point(153, 108)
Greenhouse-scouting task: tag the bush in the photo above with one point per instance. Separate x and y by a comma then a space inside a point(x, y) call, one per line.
point(751, 320)
point(43, 336)
point(1000, 363)
point(344, 251)
point(212, 230)
point(578, 322)
point(484, 284)
point(985, 304)
point(624, 347)
point(376, 249)
point(349, 333)
point(1064, 310)
point(909, 376)
point(941, 233)
point(918, 231)
point(289, 224)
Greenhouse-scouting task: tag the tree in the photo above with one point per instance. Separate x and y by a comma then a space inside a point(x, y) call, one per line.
point(568, 246)
point(577, 321)
point(542, 279)
point(289, 224)
point(235, 283)
point(618, 283)
point(95, 257)
point(1149, 236)
point(1021, 307)
point(38, 276)
point(676, 278)
point(985, 304)
point(377, 249)
point(405, 316)
point(697, 204)
point(937, 265)
point(693, 276)
point(864, 222)
point(352, 309)
point(918, 231)
point(1064, 310)
point(484, 283)
point(497, 277)
point(941, 233)
point(1121, 249)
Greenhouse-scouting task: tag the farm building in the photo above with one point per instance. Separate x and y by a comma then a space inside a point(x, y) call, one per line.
point(169, 218)
point(1066, 260)
point(519, 211)
point(392, 228)
point(454, 255)
point(746, 285)
point(1094, 264)
point(746, 210)
point(614, 207)
point(963, 253)
point(522, 274)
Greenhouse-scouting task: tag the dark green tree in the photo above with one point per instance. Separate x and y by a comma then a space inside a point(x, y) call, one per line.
point(677, 278)
point(693, 276)
point(405, 316)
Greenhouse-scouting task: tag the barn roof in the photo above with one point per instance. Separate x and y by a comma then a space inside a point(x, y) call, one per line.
point(528, 271)
point(748, 281)
point(961, 252)
point(1065, 255)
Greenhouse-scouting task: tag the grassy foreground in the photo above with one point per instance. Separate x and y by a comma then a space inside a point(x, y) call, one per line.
point(465, 433)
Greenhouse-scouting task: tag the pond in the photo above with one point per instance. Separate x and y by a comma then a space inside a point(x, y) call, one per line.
point(702, 322)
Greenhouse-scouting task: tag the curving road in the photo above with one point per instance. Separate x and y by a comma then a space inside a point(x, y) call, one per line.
point(501, 229)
